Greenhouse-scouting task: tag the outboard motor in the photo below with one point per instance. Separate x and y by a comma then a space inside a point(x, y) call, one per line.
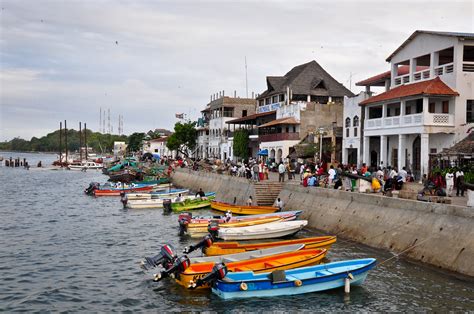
point(219, 271)
point(213, 229)
point(179, 265)
point(167, 206)
point(183, 221)
point(205, 242)
point(166, 257)
point(91, 188)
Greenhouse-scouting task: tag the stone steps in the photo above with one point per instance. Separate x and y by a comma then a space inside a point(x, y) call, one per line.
point(266, 192)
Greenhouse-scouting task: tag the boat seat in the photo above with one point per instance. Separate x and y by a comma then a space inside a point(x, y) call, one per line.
point(243, 268)
point(228, 260)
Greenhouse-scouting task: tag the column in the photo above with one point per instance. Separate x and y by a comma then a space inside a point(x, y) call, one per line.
point(401, 151)
point(426, 113)
point(366, 150)
point(424, 154)
point(412, 69)
point(433, 63)
point(393, 73)
point(383, 151)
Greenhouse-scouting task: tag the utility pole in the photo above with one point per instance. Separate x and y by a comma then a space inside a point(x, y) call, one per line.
point(80, 141)
point(60, 144)
point(65, 138)
point(85, 137)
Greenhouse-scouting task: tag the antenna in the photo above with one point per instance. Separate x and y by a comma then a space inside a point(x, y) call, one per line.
point(108, 120)
point(100, 118)
point(350, 80)
point(246, 80)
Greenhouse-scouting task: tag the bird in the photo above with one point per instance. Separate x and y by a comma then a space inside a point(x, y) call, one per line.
point(116, 42)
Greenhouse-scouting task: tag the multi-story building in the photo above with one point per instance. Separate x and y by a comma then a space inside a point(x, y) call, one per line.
point(213, 132)
point(304, 102)
point(158, 146)
point(424, 109)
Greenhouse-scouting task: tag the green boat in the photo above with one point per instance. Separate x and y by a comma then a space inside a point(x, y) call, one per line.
point(192, 204)
point(159, 181)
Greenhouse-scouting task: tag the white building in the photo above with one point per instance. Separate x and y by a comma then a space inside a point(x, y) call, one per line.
point(119, 148)
point(158, 146)
point(351, 137)
point(425, 110)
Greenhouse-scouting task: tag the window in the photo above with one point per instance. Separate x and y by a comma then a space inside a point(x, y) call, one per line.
point(408, 110)
point(244, 113)
point(282, 97)
point(287, 129)
point(294, 129)
point(446, 106)
point(433, 151)
point(431, 107)
point(347, 132)
point(156, 150)
point(469, 111)
point(261, 102)
point(419, 105)
point(397, 111)
point(356, 121)
point(355, 132)
point(348, 122)
point(275, 99)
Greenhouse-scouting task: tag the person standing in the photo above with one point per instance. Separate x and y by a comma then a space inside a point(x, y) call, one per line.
point(279, 204)
point(449, 177)
point(403, 173)
point(459, 182)
point(332, 174)
point(281, 172)
point(255, 172)
point(301, 172)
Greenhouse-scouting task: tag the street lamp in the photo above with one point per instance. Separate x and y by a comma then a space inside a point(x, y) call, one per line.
point(321, 130)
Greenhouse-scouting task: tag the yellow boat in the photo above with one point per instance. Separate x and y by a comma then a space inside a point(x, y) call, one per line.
point(243, 210)
point(200, 229)
point(222, 248)
point(269, 263)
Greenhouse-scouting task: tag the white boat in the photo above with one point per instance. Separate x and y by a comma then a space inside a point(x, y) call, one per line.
point(85, 165)
point(152, 202)
point(157, 195)
point(266, 231)
point(247, 255)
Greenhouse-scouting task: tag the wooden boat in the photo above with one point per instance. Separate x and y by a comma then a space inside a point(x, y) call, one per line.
point(294, 281)
point(158, 194)
point(247, 255)
point(263, 264)
point(85, 165)
point(286, 215)
point(125, 175)
point(191, 204)
point(200, 229)
point(158, 181)
point(243, 210)
point(223, 248)
point(155, 202)
point(266, 231)
point(116, 192)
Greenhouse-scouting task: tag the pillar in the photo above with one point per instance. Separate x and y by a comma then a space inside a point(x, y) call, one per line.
point(383, 151)
point(401, 151)
point(434, 63)
point(393, 73)
point(412, 69)
point(366, 150)
point(426, 101)
point(424, 153)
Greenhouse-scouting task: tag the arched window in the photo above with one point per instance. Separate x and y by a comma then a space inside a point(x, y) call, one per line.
point(348, 122)
point(356, 121)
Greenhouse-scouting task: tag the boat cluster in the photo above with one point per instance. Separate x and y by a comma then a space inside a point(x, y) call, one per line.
point(234, 267)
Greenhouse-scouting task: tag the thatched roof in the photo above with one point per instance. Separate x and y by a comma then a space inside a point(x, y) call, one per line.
point(463, 147)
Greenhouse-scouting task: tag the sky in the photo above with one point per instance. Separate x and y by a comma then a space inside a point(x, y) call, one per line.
point(148, 60)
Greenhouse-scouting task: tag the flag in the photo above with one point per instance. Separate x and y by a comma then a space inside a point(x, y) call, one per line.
point(179, 115)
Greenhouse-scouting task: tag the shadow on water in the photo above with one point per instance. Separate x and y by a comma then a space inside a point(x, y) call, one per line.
point(64, 251)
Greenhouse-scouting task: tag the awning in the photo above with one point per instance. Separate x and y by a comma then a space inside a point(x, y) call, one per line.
point(263, 152)
point(289, 120)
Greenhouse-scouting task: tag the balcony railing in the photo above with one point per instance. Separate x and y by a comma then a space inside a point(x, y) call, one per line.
point(444, 69)
point(425, 74)
point(279, 137)
point(435, 119)
point(468, 66)
point(421, 75)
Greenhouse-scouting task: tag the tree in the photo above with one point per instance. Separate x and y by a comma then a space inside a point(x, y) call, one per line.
point(241, 143)
point(135, 141)
point(183, 139)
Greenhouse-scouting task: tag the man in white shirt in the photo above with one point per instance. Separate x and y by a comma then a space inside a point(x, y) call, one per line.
point(403, 173)
point(449, 177)
point(279, 204)
point(393, 173)
point(332, 174)
point(281, 172)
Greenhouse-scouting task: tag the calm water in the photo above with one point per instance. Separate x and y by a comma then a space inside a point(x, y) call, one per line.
point(62, 250)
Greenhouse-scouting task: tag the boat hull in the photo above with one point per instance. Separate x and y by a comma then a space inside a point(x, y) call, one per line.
point(290, 215)
point(243, 210)
point(117, 192)
point(297, 281)
point(222, 248)
point(267, 231)
point(200, 229)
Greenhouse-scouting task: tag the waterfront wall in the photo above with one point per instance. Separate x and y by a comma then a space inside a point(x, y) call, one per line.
point(442, 235)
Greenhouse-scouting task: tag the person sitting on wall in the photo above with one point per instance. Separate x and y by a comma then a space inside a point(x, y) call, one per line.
point(250, 201)
point(200, 194)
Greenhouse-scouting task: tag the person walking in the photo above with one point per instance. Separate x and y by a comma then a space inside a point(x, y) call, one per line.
point(459, 182)
point(332, 174)
point(255, 172)
point(449, 177)
point(281, 172)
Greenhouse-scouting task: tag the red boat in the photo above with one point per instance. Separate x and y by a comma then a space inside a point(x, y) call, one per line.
point(116, 192)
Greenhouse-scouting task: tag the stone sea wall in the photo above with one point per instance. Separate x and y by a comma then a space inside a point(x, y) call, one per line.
point(441, 235)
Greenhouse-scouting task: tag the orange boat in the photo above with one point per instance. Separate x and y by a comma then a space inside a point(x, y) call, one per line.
point(116, 192)
point(243, 210)
point(270, 263)
point(223, 248)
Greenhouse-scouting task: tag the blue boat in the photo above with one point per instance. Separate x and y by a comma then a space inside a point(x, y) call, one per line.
point(295, 281)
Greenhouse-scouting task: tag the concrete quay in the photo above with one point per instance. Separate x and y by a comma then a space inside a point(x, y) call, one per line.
point(437, 234)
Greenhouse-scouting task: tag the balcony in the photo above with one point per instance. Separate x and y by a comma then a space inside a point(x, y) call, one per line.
point(444, 69)
point(279, 137)
point(429, 119)
point(425, 74)
point(270, 107)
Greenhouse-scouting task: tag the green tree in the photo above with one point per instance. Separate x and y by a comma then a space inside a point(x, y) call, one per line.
point(135, 141)
point(183, 140)
point(241, 143)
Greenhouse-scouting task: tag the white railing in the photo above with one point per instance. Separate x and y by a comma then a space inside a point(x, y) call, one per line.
point(402, 79)
point(436, 119)
point(421, 75)
point(468, 66)
point(444, 69)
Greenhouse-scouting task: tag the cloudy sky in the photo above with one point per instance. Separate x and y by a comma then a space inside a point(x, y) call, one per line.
point(148, 60)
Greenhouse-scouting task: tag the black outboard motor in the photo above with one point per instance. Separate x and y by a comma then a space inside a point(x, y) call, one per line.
point(167, 206)
point(179, 265)
point(165, 258)
point(205, 242)
point(183, 220)
point(219, 271)
point(213, 229)
point(91, 188)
